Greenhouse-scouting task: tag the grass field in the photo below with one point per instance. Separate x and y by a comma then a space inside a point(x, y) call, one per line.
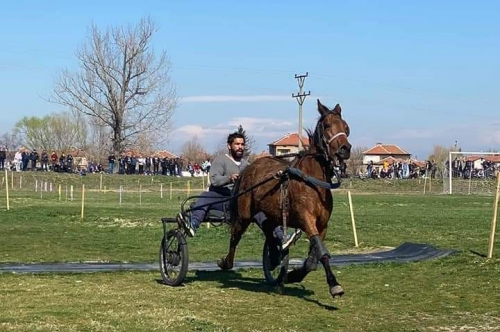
point(456, 293)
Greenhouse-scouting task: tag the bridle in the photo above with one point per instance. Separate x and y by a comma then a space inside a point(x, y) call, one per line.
point(322, 142)
point(333, 137)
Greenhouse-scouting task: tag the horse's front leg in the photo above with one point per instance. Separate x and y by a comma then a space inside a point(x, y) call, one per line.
point(237, 230)
point(317, 252)
point(324, 257)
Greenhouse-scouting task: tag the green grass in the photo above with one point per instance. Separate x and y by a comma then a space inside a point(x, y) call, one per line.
point(460, 292)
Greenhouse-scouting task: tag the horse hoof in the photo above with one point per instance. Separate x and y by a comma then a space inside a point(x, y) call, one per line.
point(295, 276)
point(336, 291)
point(222, 264)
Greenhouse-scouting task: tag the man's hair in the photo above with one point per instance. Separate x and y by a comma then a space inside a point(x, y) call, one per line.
point(233, 136)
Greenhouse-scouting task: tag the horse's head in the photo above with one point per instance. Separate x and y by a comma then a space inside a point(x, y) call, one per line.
point(331, 133)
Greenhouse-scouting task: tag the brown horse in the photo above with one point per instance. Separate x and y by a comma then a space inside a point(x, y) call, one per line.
point(309, 204)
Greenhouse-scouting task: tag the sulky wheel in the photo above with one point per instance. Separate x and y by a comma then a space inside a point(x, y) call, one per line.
point(174, 258)
point(274, 263)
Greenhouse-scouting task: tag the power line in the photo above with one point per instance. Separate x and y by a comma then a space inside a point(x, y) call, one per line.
point(301, 96)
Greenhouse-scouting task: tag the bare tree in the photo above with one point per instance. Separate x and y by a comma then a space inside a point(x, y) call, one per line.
point(98, 147)
point(12, 142)
point(121, 82)
point(440, 155)
point(193, 151)
point(221, 148)
point(355, 162)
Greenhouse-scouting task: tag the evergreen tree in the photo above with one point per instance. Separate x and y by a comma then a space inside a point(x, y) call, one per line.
point(248, 141)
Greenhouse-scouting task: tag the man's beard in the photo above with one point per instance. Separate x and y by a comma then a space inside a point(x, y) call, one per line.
point(237, 155)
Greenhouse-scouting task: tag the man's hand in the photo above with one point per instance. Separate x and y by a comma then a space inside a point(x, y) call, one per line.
point(234, 177)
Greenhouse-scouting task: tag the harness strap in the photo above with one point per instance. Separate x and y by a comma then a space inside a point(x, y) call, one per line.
point(284, 203)
point(313, 180)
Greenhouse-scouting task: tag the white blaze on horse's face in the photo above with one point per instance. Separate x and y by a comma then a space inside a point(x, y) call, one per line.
point(335, 132)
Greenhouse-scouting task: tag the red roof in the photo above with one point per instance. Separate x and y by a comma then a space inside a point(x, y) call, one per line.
point(165, 154)
point(290, 139)
point(492, 158)
point(386, 149)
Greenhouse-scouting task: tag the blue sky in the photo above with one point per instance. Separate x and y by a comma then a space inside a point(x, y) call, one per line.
point(413, 73)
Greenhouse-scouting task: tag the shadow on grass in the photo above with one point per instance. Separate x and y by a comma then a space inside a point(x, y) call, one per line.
point(477, 253)
point(234, 279)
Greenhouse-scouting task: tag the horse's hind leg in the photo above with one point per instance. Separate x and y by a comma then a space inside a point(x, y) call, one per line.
point(310, 264)
point(237, 230)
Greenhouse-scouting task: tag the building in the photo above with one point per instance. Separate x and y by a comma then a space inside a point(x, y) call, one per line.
point(379, 152)
point(287, 144)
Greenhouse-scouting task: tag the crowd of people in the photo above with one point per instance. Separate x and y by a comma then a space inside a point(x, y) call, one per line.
point(400, 170)
point(25, 159)
point(155, 165)
point(467, 168)
point(127, 163)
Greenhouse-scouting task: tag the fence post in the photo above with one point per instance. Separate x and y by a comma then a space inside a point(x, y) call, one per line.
point(83, 199)
point(7, 189)
point(494, 219)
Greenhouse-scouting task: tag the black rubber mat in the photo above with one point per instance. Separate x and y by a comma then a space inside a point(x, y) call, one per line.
point(407, 252)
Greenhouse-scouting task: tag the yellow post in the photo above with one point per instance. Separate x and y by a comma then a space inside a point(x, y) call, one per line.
point(7, 189)
point(71, 193)
point(100, 184)
point(352, 219)
point(59, 193)
point(161, 190)
point(83, 199)
point(188, 188)
point(494, 219)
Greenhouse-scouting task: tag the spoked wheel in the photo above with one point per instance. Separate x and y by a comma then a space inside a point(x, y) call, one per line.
point(274, 263)
point(174, 258)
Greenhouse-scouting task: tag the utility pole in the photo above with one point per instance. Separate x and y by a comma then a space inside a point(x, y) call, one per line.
point(301, 96)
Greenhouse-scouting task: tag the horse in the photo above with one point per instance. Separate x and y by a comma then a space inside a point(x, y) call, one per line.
point(310, 205)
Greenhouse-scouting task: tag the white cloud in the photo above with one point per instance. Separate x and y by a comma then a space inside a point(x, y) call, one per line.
point(262, 130)
point(190, 131)
point(259, 124)
point(241, 99)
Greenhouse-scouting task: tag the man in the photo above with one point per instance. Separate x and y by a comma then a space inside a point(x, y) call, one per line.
point(3, 156)
point(111, 162)
point(45, 161)
point(224, 172)
point(34, 159)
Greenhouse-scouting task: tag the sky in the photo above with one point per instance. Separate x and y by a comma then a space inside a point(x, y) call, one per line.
point(411, 73)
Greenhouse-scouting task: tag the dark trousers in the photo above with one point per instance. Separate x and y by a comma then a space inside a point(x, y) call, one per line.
point(2, 164)
point(201, 208)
